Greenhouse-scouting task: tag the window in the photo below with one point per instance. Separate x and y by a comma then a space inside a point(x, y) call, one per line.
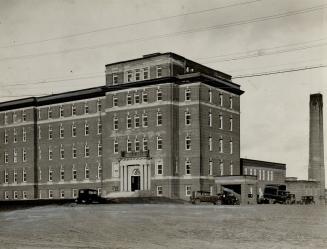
point(74, 173)
point(187, 118)
point(210, 96)
point(114, 78)
point(221, 99)
point(129, 99)
point(231, 168)
point(6, 195)
point(144, 97)
point(99, 171)
point(50, 132)
point(159, 168)
point(210, 143)
point(62, 193)
point(61, 131)
point(86, 150)
point(272, 175)
point(50, 194)
point(15, 195)
point(40, 174)
point(15, 155)
point(24, 115)
point(6, 137)
point(129, 76)
point(159, 118)
point(115, 147)
point(188, 190)
point(159, 191)
point(137, 74)
point(136, 98)
point(24, 134)
point(73, 130)
point(129, 145)
point(50, 179)
point(6, 118)
point(187, 167)
point(15, 176)
point(6, 157)
point(24, 155)
point(231, 147)
point(6, 177)
point(221, 147)
point(188, 142)
point(62, 152)
point(144, 120)
point(14, 117)
point(260, 174)
point(62, 173)
point(74, 193)
point(99, 105)
point(159, 143)
point(86, 108)
point(99, 149)
point(220, 121)
point(159, 72)
point(129, 122)
point(49, 113)
point(86, 129)
point(231, 124)
point(74, 151)
point(210, 166)
point(268, 175)
point(145, 144)
point(231, 102)
point(24, 175)
point(115, 123)
point(87, 173)
point(136, 121)
point(114, 101)
point(159, 94)
point(145, 73)
point(99, 126)
point(210, 119)
point(137, 145)
point(61, 111)
point(50, 153)
point(263, 174)
point(255, 172)
point(73, 110)
point(39, 113)
point(24, 195)
point(187, 94)
point(221, 166)
point(39, 132)
point(15, 135)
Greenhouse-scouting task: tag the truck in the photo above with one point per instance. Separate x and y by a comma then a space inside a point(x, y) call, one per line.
point(88, 196)
point(275, 193)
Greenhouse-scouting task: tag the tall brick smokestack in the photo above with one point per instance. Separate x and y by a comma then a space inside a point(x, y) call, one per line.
point(316, 142)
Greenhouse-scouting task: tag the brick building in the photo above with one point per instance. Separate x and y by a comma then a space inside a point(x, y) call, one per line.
point(162, 125)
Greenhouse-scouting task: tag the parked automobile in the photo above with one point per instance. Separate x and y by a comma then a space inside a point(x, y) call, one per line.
point(275, 193)
point(307, 200)
point(201, 196)
point(89, 196)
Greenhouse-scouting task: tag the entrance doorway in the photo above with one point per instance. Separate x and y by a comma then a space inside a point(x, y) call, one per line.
point(135, 183)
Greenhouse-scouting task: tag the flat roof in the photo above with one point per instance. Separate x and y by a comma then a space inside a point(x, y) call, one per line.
point(264, 164)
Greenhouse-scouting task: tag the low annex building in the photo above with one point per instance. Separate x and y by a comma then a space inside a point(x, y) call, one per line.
point(162, 125)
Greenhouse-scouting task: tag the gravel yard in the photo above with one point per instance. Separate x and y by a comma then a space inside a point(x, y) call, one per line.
point(164, 226)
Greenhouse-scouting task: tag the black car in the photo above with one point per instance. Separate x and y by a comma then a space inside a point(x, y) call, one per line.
point(89, 196)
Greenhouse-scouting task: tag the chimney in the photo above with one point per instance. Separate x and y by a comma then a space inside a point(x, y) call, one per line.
point(316, 143)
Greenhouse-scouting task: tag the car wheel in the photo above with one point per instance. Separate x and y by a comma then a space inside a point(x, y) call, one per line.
point(197, 201)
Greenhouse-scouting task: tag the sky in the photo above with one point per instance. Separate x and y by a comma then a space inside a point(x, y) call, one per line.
point(276, 50)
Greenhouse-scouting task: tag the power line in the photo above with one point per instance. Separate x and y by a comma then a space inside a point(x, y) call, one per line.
point(127, 25)
point(289, 70)
point(184, 32)
point(279, 71)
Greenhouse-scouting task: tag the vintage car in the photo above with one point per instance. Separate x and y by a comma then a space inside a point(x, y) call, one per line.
point(89, 196)
point(201, 196)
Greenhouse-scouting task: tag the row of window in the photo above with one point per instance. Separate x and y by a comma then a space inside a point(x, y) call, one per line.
point(15, 176)
point(15, 155)
point(15, 117)
point(15, 135)
point(137, 74)
point(220, 145)
point(73, 130)
point(264, 175)
point(74, 151)
point(73, 110)
point(188, 190)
